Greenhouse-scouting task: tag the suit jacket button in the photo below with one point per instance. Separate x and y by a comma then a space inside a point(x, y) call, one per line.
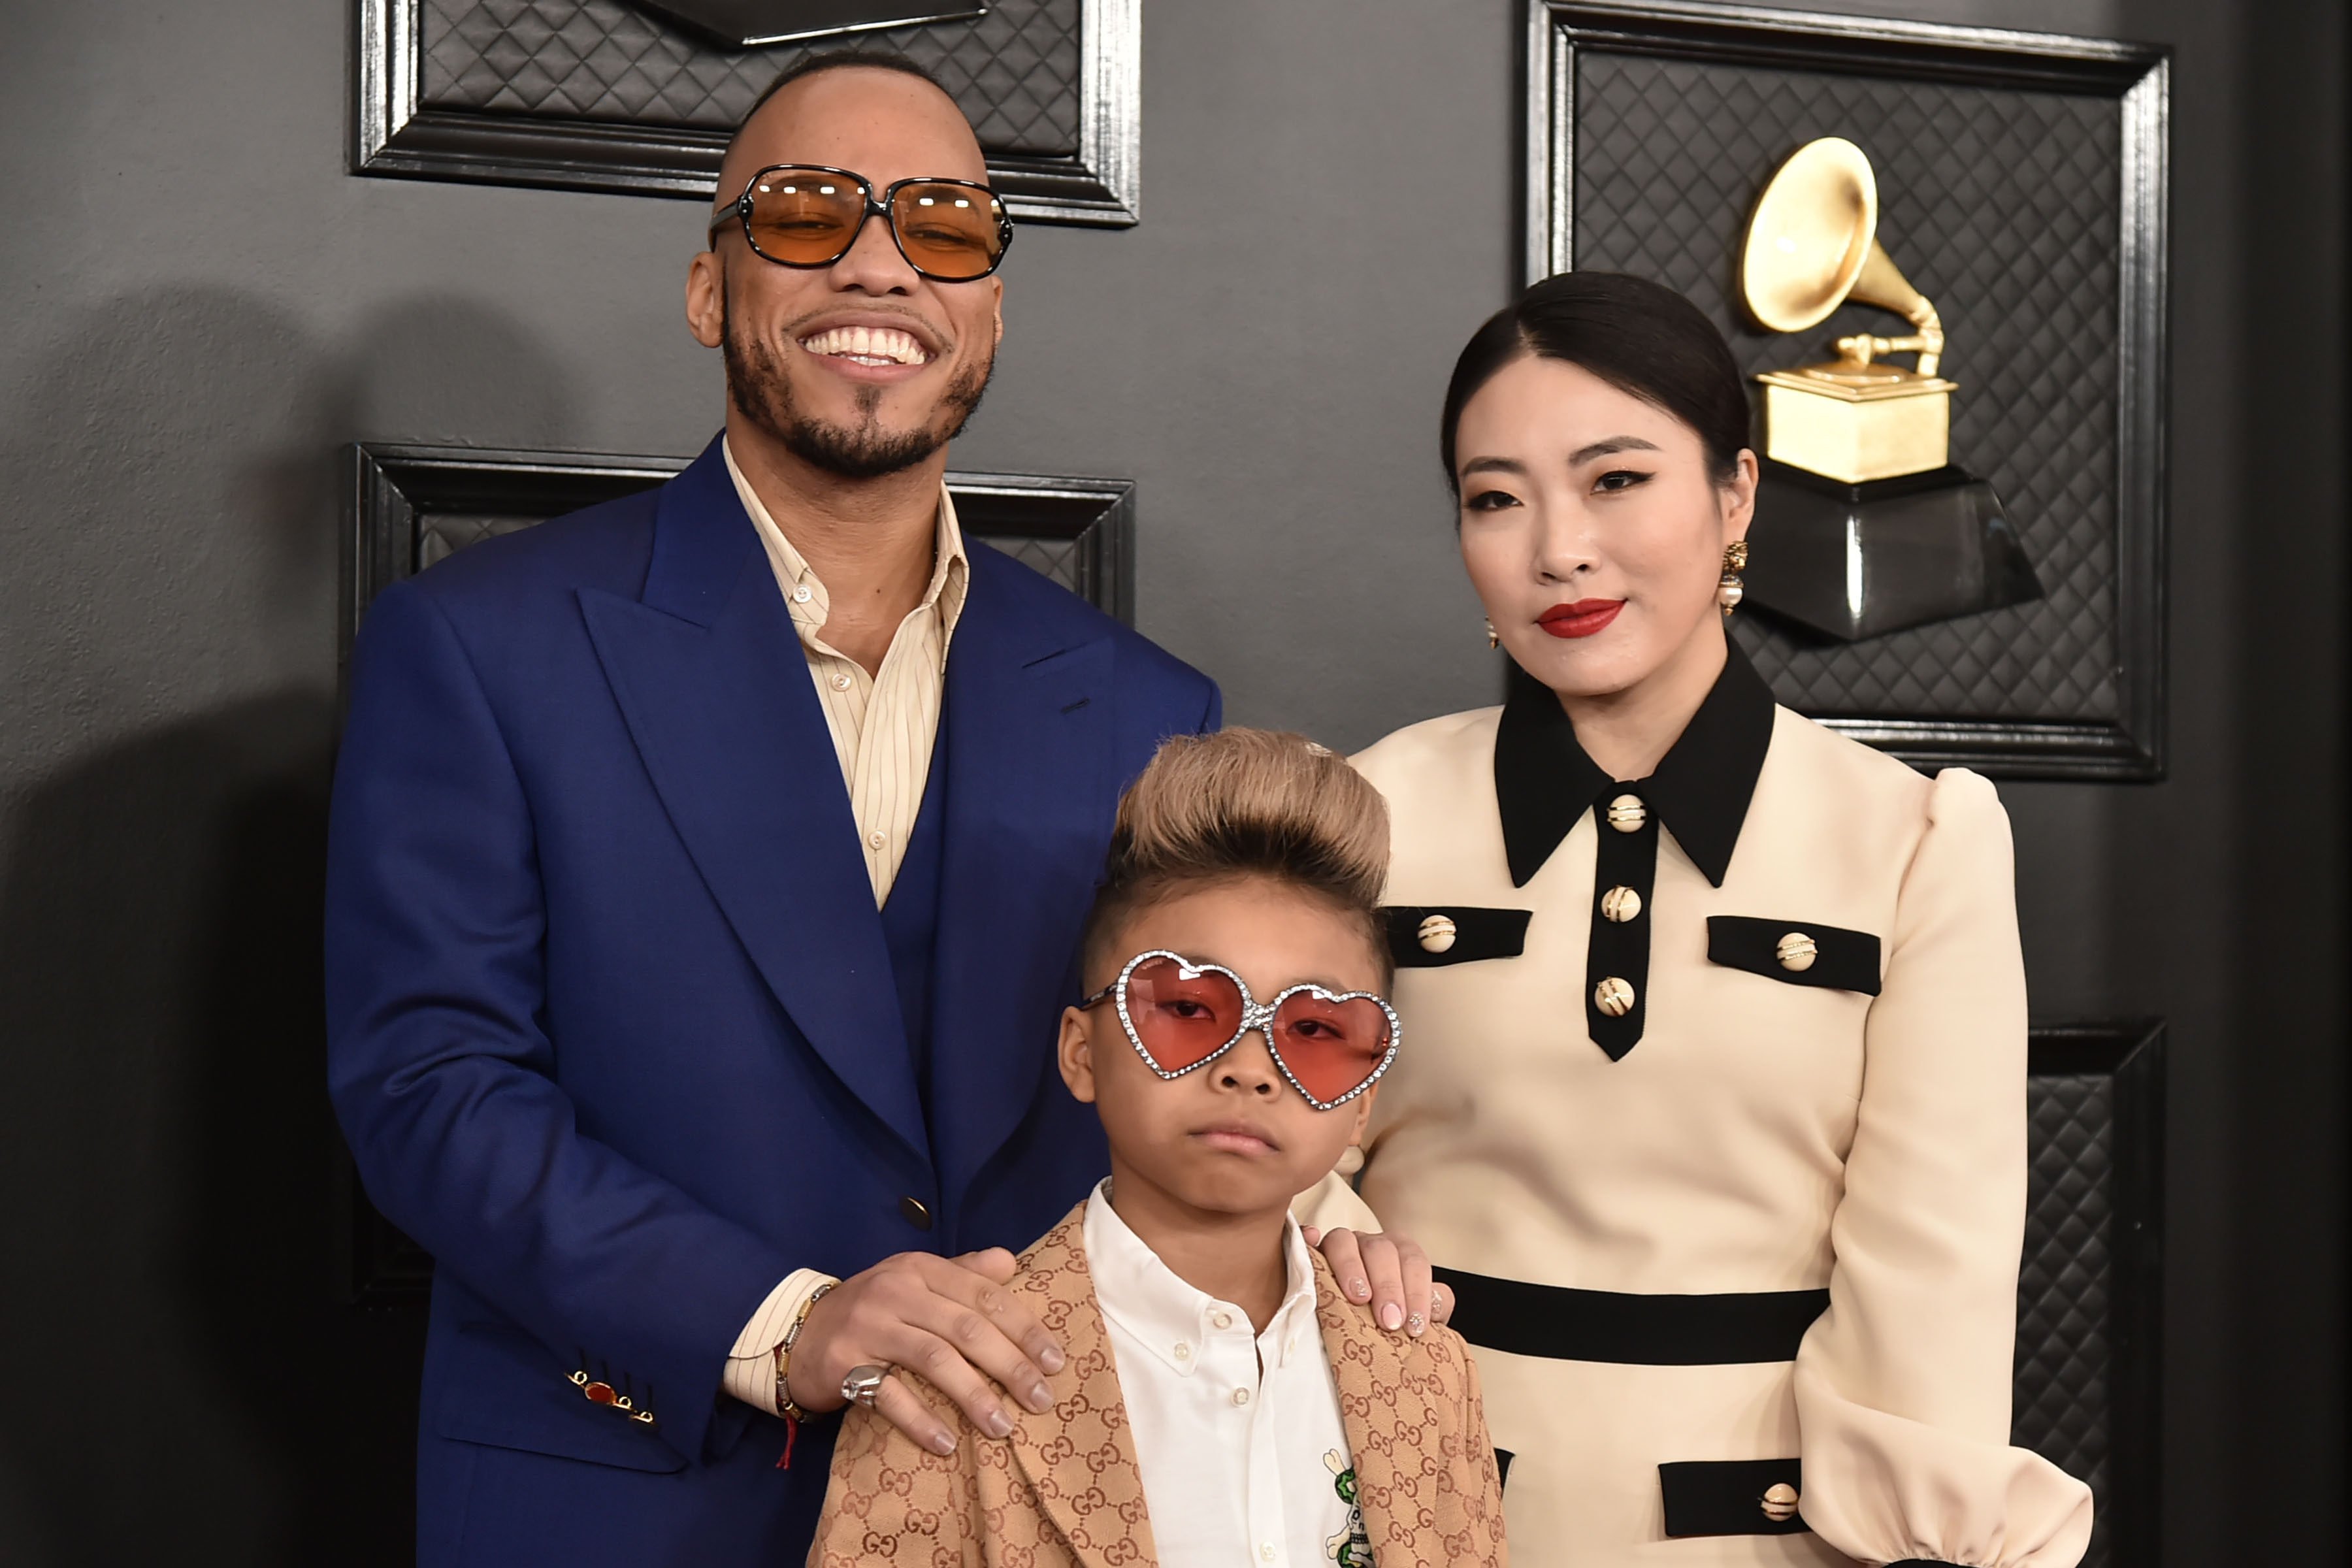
point(1627, 814)
point(1613, 996)
point(916, 1215)
point(1779, 1502)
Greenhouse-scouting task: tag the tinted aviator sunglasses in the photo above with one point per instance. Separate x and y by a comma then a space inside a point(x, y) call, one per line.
point(1180, 1016)
point(804, 214)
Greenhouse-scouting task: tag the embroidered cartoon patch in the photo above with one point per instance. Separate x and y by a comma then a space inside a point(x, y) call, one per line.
point(1351, 1548)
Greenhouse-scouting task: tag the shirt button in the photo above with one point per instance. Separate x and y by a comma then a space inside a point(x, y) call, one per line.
point(841, 683)
point(1613, 996)
point(1222, 1319)
point(1626, 814)
point(802, 596)
point(1796, 951)
point(1621, 904)
point(1436, 933)
point(1266, 1550)
point(1182, 1351)
point(1779, 1502)
point(878, 838)
point(1240, 1396)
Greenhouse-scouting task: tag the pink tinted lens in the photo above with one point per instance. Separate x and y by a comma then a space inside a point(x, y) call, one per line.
point(1182, 1016)
point(1330, 1047)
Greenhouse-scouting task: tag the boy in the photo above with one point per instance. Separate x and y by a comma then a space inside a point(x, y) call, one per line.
point(1221, 1403)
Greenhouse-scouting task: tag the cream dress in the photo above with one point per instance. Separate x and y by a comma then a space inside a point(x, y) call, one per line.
point(1738, 1259)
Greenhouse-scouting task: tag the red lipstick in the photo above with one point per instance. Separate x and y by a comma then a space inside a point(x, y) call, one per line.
point(1581, 620)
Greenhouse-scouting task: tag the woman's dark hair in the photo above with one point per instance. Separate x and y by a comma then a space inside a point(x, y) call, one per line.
point(1638, 336)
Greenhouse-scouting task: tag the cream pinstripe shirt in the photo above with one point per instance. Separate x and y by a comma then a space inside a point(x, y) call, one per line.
point(883, 727)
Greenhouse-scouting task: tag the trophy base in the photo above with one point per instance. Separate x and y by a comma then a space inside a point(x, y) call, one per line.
point(1858, 423)
point(1856, 561)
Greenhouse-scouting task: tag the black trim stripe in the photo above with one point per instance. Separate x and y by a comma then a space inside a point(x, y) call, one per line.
point(1562, 1324)
point(1725, 1497)
point(1479, 934)
point(1843, 960)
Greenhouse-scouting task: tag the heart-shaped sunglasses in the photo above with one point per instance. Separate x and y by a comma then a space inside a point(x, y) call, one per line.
point(1180, 1016)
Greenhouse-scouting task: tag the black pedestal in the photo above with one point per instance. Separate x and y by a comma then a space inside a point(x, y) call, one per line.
point(1860, 561)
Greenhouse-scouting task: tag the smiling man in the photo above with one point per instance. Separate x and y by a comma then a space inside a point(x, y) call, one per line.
point(705, 885)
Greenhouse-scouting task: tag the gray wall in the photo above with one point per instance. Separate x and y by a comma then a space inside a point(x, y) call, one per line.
point(203, 304)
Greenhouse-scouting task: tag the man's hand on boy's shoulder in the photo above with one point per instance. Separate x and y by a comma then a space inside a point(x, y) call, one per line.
point(1387, 1274)
point(951, 1319)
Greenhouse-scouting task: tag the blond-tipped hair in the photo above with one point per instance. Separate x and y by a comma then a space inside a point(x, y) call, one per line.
point(1245, 803)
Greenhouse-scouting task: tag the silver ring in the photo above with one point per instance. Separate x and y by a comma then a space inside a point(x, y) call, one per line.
point(863, 1383)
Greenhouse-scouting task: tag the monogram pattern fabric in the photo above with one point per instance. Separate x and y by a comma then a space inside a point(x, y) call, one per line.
point(1064, 1489)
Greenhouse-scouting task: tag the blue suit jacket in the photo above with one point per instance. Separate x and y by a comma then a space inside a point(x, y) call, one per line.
point(612, 1027)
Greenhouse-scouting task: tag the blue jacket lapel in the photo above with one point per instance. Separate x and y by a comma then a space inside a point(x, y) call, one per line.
point(1028, 811)
point(711, 678)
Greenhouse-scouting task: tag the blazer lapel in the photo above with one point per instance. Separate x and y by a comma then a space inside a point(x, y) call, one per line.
point(1028, 721)
point(711, 678)
point(1380, 1411)
point(1079, 1456)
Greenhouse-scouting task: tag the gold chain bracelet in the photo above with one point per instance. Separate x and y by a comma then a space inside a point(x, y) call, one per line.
point(784, 1406)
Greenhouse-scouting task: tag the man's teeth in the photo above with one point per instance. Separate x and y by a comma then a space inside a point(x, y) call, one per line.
point(868, 345)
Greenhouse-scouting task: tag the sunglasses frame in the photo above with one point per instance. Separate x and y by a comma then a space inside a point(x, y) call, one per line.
point(739, 210)
point(1254, 1016)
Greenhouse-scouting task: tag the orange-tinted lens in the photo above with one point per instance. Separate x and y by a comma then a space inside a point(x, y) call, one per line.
point(805, 216)
point(1330, 1046)
point(1182, 1016)
point(948, 231)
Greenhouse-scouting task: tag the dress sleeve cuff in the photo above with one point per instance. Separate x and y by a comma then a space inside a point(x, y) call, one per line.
point(750, 1374)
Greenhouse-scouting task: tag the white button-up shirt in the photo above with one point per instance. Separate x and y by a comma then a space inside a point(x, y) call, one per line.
point(1237, 1432)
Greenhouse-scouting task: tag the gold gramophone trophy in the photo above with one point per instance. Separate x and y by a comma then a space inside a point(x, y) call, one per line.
point(1862, 525)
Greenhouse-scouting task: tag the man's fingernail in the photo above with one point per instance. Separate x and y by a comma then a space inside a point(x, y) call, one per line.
point(944, 1443)
point(1050, 1359)
point(1039, 1400)
point(1392, 1315)
point(1000, 1424)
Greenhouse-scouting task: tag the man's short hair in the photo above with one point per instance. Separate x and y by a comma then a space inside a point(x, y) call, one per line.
point(818, 61)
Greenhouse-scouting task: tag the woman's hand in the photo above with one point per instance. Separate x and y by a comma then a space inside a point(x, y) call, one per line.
point(951, 1319)
point(1390, 1273)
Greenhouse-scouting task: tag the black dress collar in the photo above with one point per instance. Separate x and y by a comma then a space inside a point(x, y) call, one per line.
point(1544, 781)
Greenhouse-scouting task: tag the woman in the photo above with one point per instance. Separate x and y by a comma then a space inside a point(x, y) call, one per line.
point(1715, 1118)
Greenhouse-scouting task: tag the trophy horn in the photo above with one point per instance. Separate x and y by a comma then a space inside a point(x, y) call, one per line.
point(1812, 244)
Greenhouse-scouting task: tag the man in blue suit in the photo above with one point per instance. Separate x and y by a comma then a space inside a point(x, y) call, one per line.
point(706, 876)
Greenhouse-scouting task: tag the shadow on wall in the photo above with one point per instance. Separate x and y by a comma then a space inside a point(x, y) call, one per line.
point(186, 1384)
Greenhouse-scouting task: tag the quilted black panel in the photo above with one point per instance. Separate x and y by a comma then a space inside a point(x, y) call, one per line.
point(1015, 71)
point(2000, 206)
point(444, 534)
point(2062, 1407)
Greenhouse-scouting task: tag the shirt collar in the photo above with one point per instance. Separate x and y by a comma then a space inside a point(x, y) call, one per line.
point(944, 595)
point(1144, 1296)
point(1544, 781)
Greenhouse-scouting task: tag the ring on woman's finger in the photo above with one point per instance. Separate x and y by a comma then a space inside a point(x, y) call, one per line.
point(863, 1383)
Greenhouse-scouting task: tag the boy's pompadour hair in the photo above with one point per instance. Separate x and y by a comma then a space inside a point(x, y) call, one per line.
point(1245, 803)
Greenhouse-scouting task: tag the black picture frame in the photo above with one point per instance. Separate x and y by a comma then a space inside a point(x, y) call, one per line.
point(2096, 1094)
point(1078, 531)
point(395, 134)
point(2131, 744)
point(393, 494)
